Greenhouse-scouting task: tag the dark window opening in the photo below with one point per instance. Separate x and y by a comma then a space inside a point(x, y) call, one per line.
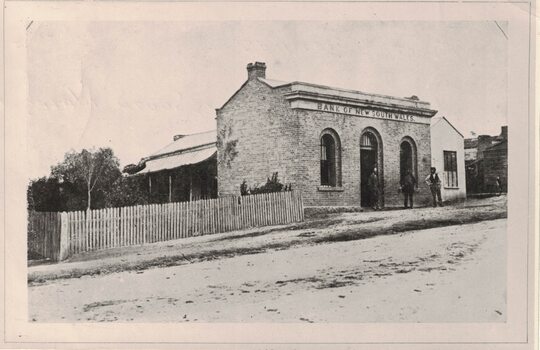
point(450, 169)
point(328, 161)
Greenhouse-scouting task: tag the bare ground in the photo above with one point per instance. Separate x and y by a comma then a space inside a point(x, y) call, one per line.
point(320, 228)
point(451, 274)
point(322, 270)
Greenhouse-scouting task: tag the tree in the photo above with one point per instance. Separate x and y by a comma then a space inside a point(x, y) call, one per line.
point(128, 191)
point(92, 171)
point(44, 194)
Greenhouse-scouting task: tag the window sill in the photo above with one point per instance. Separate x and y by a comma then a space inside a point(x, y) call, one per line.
point(330, 188)
point(451, 188)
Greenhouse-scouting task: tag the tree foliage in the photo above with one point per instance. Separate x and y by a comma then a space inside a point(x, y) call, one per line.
point(93, 170)
point(127, 191)
point(82, 180)
point(44, 194)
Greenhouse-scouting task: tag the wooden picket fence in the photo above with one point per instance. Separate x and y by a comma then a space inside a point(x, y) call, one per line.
point(118, 227)
point(44, 234)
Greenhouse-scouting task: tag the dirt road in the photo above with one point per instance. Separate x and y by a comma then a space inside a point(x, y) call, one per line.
point(444, 274)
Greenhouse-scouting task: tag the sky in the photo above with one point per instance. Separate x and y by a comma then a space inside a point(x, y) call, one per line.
point(132, 86)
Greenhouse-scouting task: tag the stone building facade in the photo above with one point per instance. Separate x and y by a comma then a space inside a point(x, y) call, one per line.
point(324, 141)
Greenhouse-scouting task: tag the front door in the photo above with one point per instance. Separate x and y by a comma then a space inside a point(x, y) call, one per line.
point(405, 159)
point(368, 161)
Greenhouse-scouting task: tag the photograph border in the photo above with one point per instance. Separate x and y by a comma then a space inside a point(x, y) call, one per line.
point(531, 181)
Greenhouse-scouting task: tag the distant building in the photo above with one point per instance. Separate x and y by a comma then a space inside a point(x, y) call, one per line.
point(183, 170)
point(486, 158)
point(448, 156)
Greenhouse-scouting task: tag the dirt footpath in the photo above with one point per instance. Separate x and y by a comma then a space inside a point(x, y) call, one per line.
point(445, 274)
point(319, 228)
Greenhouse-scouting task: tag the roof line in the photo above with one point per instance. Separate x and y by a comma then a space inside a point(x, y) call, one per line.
point(180, 166)
point(235, 93)
point(264, 81)
point(345, 90)
point(179, 151)
point(453, 127)
point(170, 143)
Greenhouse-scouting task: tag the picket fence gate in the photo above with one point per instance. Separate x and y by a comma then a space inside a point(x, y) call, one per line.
point(83, 231)
point(44, 234)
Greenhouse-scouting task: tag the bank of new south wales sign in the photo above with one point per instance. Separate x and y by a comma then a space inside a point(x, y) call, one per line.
point(361, 111)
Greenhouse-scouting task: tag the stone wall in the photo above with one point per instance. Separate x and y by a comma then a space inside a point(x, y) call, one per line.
point(349, 129)
point(257, 136)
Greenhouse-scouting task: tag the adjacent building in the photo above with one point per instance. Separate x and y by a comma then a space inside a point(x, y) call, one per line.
point(325, 141)
point(486, 159)
point(183, 170)
point(448, 156)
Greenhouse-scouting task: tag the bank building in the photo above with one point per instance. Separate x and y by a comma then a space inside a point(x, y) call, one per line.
point(326, 141)
point(323, 141)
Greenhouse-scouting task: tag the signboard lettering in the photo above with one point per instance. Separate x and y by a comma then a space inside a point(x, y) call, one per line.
point(365, 112)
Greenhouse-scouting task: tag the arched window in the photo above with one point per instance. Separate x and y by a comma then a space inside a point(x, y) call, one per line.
point(407, 157)
point(330, 159)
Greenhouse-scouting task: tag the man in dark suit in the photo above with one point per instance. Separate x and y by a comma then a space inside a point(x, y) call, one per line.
point(434, 183)
point(408, 185)
point(373, 187)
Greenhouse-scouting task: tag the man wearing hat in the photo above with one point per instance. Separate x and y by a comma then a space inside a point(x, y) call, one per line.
point(434, 183)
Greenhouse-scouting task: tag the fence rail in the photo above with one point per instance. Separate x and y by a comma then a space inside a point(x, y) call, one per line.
point(117, 227)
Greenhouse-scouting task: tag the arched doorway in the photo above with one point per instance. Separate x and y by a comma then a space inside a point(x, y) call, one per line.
point(370, 158)
point(407, 157)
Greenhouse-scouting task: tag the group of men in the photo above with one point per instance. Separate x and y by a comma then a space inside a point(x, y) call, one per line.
point(408, 185)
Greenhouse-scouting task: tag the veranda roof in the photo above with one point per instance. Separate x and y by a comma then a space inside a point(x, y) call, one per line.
point(176, 160)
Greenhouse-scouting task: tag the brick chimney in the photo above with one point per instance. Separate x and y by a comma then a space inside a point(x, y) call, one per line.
point(256, 70)
point(484, 141)
point(504, 132)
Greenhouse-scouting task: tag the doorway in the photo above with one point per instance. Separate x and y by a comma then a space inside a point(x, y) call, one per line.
point(369, 159)
point(405, 159)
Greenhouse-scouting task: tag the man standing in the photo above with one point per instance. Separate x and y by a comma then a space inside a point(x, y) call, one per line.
point(373, 187)
point(498, 184)
point(408, 185)
point(434, 184)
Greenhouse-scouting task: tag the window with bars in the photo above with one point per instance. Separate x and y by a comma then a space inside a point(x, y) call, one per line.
point(450, 169)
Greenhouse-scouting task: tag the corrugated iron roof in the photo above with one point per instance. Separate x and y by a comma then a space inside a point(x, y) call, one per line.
point(176, 160)
point(187, 142)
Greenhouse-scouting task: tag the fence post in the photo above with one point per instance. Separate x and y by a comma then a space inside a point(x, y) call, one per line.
point(64, 237)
